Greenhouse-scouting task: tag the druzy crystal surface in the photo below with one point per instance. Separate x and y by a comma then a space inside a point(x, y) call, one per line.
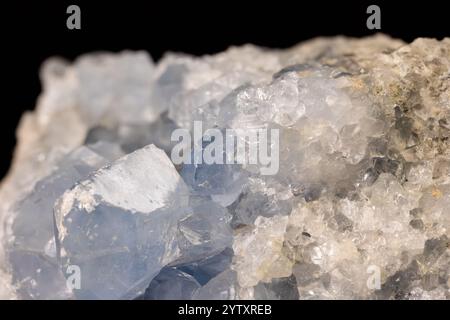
point(359, 207)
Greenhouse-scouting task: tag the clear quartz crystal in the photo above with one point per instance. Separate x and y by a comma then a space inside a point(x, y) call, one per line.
point(362, 190)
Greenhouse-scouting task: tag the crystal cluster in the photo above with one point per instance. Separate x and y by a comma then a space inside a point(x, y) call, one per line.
point(358, 209)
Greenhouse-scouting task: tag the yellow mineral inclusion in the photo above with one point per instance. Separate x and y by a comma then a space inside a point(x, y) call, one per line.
point(436, 193)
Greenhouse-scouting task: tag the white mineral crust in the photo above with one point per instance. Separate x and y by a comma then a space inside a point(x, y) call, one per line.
point(359, 208)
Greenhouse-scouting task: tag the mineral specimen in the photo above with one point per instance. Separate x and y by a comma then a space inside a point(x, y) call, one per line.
point(95, 207)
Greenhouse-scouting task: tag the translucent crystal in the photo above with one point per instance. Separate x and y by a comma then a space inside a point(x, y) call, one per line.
point(119, 226)
point(222, 287)
point(357, 208)
point(32, 250)
point(171, 284)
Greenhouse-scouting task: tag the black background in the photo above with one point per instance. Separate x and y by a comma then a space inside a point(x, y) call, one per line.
point(35, 30)
point(164, 309)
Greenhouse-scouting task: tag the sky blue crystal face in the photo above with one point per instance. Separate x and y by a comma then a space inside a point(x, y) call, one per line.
point(204, 232)
point(33, 255)
point(121, 242)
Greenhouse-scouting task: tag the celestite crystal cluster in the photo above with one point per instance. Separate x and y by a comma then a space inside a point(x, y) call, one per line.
point(358, 209)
